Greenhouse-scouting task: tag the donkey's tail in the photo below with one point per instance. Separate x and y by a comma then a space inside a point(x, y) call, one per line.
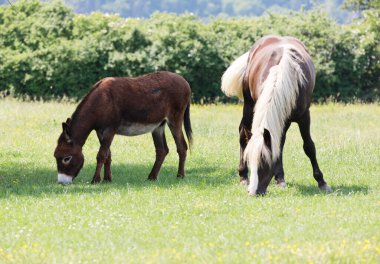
point(232, 79)
point(274, 107)
point(187, 124)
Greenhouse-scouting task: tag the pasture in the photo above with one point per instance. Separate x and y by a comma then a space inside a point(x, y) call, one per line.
point(206, 217)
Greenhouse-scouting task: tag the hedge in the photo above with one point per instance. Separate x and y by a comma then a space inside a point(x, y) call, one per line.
point(47, 51)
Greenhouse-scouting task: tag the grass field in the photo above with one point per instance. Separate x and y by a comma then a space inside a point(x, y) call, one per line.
point(206, 217)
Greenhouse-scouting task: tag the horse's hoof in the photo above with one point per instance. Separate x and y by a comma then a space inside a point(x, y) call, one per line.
point(244, 182)
point(325, 188)
point(251, 192)
point(281, 184)
point(180, 176)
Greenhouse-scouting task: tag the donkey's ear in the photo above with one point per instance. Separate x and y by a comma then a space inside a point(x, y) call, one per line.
point(267, 138)
point(68, 121)
point(66, 132)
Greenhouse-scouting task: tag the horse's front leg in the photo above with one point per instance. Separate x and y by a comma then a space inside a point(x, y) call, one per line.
point(279, 167)
point(104, 156)
point(244, 136)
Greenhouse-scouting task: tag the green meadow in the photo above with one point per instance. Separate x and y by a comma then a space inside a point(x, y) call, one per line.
point(207, 217)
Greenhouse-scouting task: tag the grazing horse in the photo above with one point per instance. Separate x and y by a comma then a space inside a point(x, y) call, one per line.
point(276, 80)
point(130, 107)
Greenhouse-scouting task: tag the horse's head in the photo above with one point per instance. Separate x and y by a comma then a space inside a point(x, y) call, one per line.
point(261, 161)
point(68, 155)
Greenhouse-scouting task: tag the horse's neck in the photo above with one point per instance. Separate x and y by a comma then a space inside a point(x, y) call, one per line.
point(80, 127)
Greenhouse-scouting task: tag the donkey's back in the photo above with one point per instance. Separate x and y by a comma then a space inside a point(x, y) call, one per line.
point(149, 99)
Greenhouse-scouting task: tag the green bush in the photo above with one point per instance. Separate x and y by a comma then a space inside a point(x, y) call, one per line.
point(46, 51)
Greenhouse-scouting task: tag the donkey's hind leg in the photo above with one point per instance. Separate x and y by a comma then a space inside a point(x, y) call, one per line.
point(176, 129)
point(161, 150)
point(107, 168)
point(309, 148)
point(244, 136)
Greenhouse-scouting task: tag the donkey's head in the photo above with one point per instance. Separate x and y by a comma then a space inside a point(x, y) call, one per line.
point(68, 155)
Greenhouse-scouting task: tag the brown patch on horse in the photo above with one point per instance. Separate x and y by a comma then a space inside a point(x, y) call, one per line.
point(128, 106)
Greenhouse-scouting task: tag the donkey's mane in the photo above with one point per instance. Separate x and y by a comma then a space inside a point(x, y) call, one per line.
point(74, 116)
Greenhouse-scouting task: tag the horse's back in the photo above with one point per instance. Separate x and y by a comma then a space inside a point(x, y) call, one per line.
point(266, 53)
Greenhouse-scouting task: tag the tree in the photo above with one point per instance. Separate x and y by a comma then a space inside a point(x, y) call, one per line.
point(360, 5)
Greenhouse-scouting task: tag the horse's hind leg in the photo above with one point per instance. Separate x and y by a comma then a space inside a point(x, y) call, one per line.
point(244, 136)
point(161, 150)
point(176, 129)
point(309, 148)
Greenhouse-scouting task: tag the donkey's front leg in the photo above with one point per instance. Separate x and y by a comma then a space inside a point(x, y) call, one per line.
point(107, 168)
point(104, 155)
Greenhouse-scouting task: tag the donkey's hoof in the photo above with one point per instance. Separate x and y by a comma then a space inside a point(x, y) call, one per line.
point(95, 181)
point(325, 188)
point(105, 180)
point(180, 176)
point(281, 184)
point(152, 178)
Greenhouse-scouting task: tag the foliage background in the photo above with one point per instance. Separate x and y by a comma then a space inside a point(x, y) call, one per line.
point(48, 51)
point(204, 8)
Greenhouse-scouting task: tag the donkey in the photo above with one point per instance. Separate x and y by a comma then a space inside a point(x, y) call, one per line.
point(276, 80)
point(130, 107)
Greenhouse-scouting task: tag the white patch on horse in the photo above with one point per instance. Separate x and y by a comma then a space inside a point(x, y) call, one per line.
point(135, 129)
point(64, 179)
point(232, 79)
point(253, 182)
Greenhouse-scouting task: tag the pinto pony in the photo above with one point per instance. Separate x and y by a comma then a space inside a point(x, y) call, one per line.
point(130, 107)
point(276, 80)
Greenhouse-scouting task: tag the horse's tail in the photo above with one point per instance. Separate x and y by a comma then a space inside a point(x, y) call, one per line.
point(232, 79)
point(274, 107)
point(187, 125)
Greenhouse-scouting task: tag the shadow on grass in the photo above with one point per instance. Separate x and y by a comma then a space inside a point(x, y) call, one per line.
point(22, 181)
point(338, 190)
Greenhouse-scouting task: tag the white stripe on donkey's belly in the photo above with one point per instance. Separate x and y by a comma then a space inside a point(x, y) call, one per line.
point(135, 129)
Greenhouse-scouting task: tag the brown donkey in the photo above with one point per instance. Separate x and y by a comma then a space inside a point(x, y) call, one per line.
point(130, 107)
